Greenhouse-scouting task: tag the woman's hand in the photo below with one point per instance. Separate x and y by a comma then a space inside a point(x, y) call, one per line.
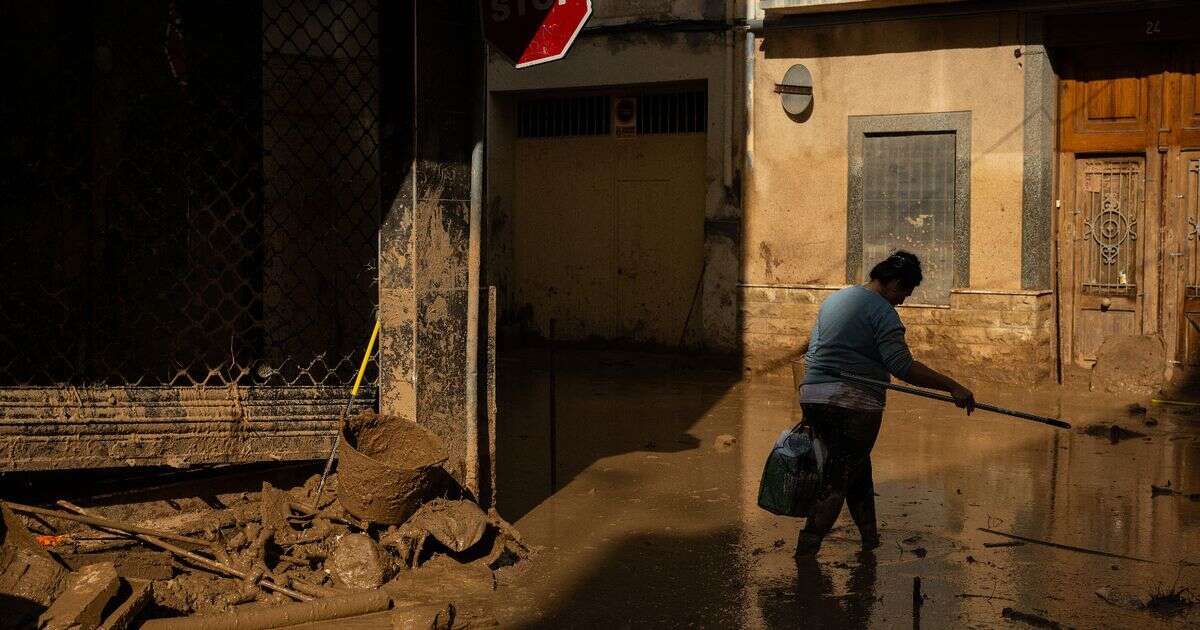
point(963, 397)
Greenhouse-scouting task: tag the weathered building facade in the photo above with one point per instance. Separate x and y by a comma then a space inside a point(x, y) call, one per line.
point(612, 181)
point(1038, 156)
point(206, 206)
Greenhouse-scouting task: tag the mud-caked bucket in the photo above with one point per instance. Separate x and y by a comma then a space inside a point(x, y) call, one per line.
point(388, 467)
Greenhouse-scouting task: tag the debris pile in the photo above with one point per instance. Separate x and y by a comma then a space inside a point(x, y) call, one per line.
point(278, 553)
point(1114, 432)
point(1164, 602)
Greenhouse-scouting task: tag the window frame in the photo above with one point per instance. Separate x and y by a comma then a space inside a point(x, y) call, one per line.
point(958, 123)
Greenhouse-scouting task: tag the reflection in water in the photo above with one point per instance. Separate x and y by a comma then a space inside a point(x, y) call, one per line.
point(813, 600)
point(655, 523)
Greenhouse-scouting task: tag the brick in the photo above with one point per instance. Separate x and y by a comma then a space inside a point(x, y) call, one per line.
point(29, 576)
point(758, 294)
point(777, 326)
point(82, 603)
point(780, 310)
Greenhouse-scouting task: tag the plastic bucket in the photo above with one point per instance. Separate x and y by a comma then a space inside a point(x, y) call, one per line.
point(388, 467)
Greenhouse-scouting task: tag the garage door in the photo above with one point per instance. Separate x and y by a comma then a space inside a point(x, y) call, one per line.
point(609, 213)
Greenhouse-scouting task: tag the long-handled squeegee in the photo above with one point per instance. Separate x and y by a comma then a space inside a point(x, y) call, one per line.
point(916, 391)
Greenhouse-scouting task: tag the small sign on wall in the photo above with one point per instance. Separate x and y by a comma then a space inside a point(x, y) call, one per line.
point(625, 111)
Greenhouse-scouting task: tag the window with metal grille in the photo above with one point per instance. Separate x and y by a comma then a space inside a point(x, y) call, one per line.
point(211, 170)
point(908, 203)
point(564, 116)
point(672, 112)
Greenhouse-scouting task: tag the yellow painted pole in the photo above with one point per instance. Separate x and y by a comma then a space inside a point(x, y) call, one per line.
point(362, 369)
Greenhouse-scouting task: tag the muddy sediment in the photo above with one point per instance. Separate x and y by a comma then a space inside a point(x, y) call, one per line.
point(279, 544)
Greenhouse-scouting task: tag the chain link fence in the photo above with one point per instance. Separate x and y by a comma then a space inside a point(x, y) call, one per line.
point(190, 194)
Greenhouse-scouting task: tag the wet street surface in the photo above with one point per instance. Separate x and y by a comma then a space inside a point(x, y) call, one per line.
point(654, 521)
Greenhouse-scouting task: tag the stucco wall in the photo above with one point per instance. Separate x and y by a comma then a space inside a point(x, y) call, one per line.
point(795, 228)
point(796, 206)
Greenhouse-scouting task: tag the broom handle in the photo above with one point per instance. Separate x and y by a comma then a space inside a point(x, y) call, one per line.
point(916, 391)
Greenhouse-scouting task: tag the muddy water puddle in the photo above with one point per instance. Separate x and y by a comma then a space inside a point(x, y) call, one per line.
point(654, 523)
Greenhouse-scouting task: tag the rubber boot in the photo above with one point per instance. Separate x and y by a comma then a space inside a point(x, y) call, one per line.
point(808, 545)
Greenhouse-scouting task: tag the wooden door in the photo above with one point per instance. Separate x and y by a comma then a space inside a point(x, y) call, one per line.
point(1188, 260)
point(1181, 226)
point(1108, 266)
point(1110, 111)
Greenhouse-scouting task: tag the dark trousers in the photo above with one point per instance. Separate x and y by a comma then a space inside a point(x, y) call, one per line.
point(849, 435)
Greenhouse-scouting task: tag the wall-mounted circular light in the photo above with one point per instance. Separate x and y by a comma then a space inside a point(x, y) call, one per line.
point(796, 91)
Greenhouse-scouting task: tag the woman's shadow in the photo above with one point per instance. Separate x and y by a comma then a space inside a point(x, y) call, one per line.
point(813, 600)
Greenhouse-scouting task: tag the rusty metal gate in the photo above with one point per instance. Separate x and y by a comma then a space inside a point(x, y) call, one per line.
point(190, 204)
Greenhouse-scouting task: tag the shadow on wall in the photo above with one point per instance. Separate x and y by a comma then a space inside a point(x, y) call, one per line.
point(606, 403)
point(846, 37)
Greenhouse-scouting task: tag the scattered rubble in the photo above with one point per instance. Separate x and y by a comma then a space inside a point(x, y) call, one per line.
point(1006, 543)
point(1164, 602)
point(456, 524)
point(30, 578)
point(1136, 409)
point(1119, 598)
point(1167, 490)
point(1169, 602)
point(1115, 433)
point(82, 602)
point(1032, 619)
point(269, 558)
point(1129, 364)
point(357, 562)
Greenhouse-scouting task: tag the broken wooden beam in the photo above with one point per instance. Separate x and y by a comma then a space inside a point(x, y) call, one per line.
point(82, 602)
point(1094, 552)
point(207, 563)
point(325, 609)
point(104, 523)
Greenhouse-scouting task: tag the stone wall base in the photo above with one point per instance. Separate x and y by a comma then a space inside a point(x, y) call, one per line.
point(1000, 336)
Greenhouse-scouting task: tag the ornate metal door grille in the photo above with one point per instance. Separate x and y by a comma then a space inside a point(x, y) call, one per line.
point(1110, 201)
point(190, 210)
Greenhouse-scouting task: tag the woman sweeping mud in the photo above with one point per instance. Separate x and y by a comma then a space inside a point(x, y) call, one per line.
point(859, 332)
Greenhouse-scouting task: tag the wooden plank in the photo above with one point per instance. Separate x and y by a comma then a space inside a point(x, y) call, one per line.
point(1174, 255)
point(1108, 98)
point(1067, 215)
point(1189, 262)
point(1186, 121)
point(1150, 243)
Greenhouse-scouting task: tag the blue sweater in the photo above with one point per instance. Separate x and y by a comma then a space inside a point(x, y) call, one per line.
point(859, 332)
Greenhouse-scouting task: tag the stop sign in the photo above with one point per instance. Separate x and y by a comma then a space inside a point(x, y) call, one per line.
point(534, 31)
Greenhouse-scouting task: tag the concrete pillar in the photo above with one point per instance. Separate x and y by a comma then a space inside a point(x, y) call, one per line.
point(423, 241)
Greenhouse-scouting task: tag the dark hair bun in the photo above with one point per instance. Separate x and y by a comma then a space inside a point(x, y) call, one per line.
point(901, 265)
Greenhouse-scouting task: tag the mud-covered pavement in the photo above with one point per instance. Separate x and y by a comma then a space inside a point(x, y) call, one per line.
point(655, 523)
